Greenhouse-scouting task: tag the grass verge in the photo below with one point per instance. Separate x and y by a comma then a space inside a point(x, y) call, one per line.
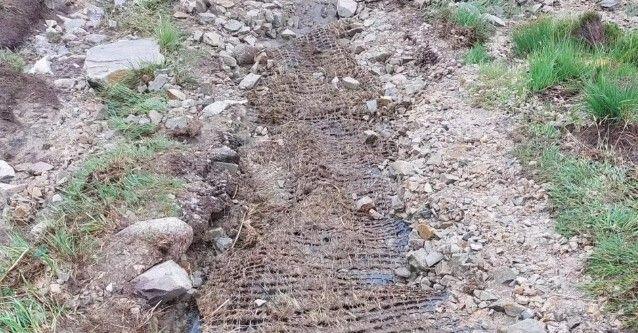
point(120, 182)
point(597, 200)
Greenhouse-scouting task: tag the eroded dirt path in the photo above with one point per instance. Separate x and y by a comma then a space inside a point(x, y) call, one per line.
point(316, 264)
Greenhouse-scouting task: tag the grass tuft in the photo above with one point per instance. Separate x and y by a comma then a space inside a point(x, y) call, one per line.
point(613, 94)
point(13, 60)
point(477, 54)
point(168, 35)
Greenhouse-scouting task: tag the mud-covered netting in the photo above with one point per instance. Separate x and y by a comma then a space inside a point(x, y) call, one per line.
point(316, 264)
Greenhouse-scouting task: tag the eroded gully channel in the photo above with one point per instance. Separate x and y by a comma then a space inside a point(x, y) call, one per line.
point(308, 259)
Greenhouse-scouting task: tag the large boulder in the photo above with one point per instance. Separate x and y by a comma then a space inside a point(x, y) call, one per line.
point(346, 8)
point(141, 246)
point(163, 283)
point(108, 63)
point(174, 233)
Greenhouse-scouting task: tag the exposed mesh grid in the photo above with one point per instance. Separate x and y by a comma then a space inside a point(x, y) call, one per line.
point(318, 264)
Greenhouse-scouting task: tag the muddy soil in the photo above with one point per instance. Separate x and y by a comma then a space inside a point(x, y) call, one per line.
point(17, 18)
point(20, 89)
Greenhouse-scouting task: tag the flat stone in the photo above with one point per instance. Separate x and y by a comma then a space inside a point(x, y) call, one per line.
point(176, 234)
point(346, 8)
point(39, 168)
point(249, 81)
point(218, 107)
point(163, 283)
point(364, 204)
point(403, 168)
point(351, 83)
point(109, 63)
point(524, 326)
point(213, 39)
point(6, 171)
point(422, 260)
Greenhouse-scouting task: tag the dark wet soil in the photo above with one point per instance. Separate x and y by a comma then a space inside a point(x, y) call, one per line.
point(621, 138)
point(17, 18)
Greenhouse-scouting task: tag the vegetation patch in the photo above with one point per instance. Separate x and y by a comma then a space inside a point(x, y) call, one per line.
point(466, 22)
point(586, 55)
point(500, 85)
point(477, 55)
point(12, 60)
point(596, 200)
point(109, 186)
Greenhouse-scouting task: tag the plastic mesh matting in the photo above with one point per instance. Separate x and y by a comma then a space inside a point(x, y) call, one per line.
point(317, 263)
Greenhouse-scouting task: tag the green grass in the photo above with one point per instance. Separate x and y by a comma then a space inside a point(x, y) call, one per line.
point(499, 85)
point(23, 315)
point(168, 35)
point(465, 15)
point(12, 59)
point(477, 54)
point(603, 71)
point(555, 64)
point(596, 200)
point(122, 101)
point(540, 33)
point(613, 94)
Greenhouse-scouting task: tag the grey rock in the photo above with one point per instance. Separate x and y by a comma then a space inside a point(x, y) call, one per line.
point(177, 234)
point(159, 82)
point(39, 168)
point(495, 20)
point(351, 83)
point(6, 171)
point(223, 243)
point(249, 81)
point(233, 25)
point(218, 107)
point(224, 154)
point(213, 39)
point(524, 326)
point(163, 283)
point(421, 259)
point(108, 62)
point(346, 8)
point(609, 4)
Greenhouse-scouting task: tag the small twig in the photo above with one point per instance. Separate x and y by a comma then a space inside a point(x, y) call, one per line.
point(219, 308)
point(14, 265)
point(248, 211)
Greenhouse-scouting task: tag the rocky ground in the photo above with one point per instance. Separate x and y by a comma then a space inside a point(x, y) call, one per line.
point(482, 235)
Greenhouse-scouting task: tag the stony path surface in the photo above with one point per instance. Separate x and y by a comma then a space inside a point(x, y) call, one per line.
point(427, 223)
point(505, 259)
